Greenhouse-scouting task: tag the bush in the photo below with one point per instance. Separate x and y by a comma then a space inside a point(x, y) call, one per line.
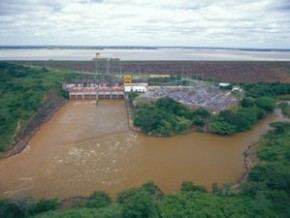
point(132, 96)
point(190, 187)
point(285, 108)
point(5, 209)
point(252, 188)
point(267, 89)
point(172, 107)
point(201, 112)
point(246, 118)
point(153, 190)
point(17, 207)
point(247, 102)
point(219, 126)
point(44, 205)
point(136, 203)
point(259, 173)
point(98, 200)
point(266, 103)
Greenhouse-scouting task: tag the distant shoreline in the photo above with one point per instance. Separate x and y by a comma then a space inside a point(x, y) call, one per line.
point(127, 53)
point(140, 47)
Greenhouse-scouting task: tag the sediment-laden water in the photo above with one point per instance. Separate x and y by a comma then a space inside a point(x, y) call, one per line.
point(85, 147)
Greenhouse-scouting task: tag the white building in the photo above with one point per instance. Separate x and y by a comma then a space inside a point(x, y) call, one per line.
point(135, 88)
point(236, 89)
point(224, 84)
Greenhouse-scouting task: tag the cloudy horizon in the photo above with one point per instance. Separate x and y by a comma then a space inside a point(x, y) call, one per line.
point(200, 23)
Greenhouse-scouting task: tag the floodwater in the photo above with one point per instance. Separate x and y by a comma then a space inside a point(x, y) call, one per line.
point(85, 147)
point(164, 54)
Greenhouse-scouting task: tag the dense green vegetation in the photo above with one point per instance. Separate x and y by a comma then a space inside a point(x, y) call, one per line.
point(269, 180)
point(265, 194)
point(167, 117)
point(131, 97)
point(285, 108)
point(259, 101)
point(266, 89)
point(21, 91)
point(228, 122)
point(25, 206)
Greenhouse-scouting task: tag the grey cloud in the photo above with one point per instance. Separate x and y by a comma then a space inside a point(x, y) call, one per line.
point(17, 7)
point(281, 5)
point(205, 21)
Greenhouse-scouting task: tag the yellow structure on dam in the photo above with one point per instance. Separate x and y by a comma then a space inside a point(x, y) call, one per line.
point(127, 80)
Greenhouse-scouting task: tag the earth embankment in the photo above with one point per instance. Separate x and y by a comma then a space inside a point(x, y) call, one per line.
point(230, 71)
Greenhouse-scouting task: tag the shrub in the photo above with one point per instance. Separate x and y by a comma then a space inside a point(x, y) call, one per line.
point(136, 203)
point(188, 186)
point(98, 199)
point(266, 103)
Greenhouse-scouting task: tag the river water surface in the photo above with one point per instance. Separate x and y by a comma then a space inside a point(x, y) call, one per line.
point(85, 147)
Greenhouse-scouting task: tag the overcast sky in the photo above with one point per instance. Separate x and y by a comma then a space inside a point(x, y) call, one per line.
point(218, 23)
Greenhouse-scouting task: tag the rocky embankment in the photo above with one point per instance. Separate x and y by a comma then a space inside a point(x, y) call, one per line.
point(50, 104)
point(250, 159)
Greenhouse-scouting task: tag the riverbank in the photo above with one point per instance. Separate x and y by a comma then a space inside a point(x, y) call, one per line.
point(131, 119)
point(250, 156)
point(250, 160)
point(51, 103)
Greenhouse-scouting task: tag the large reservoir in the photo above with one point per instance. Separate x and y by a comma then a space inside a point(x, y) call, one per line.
point(157, 54)
point(86, 147)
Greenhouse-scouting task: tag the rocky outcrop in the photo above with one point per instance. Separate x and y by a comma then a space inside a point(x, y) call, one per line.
point(50, 104)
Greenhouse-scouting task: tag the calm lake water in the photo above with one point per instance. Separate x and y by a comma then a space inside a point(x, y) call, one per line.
point(178, 54)
point(85, 147)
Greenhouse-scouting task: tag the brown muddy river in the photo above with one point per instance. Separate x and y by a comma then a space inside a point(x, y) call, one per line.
point(85, 147)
